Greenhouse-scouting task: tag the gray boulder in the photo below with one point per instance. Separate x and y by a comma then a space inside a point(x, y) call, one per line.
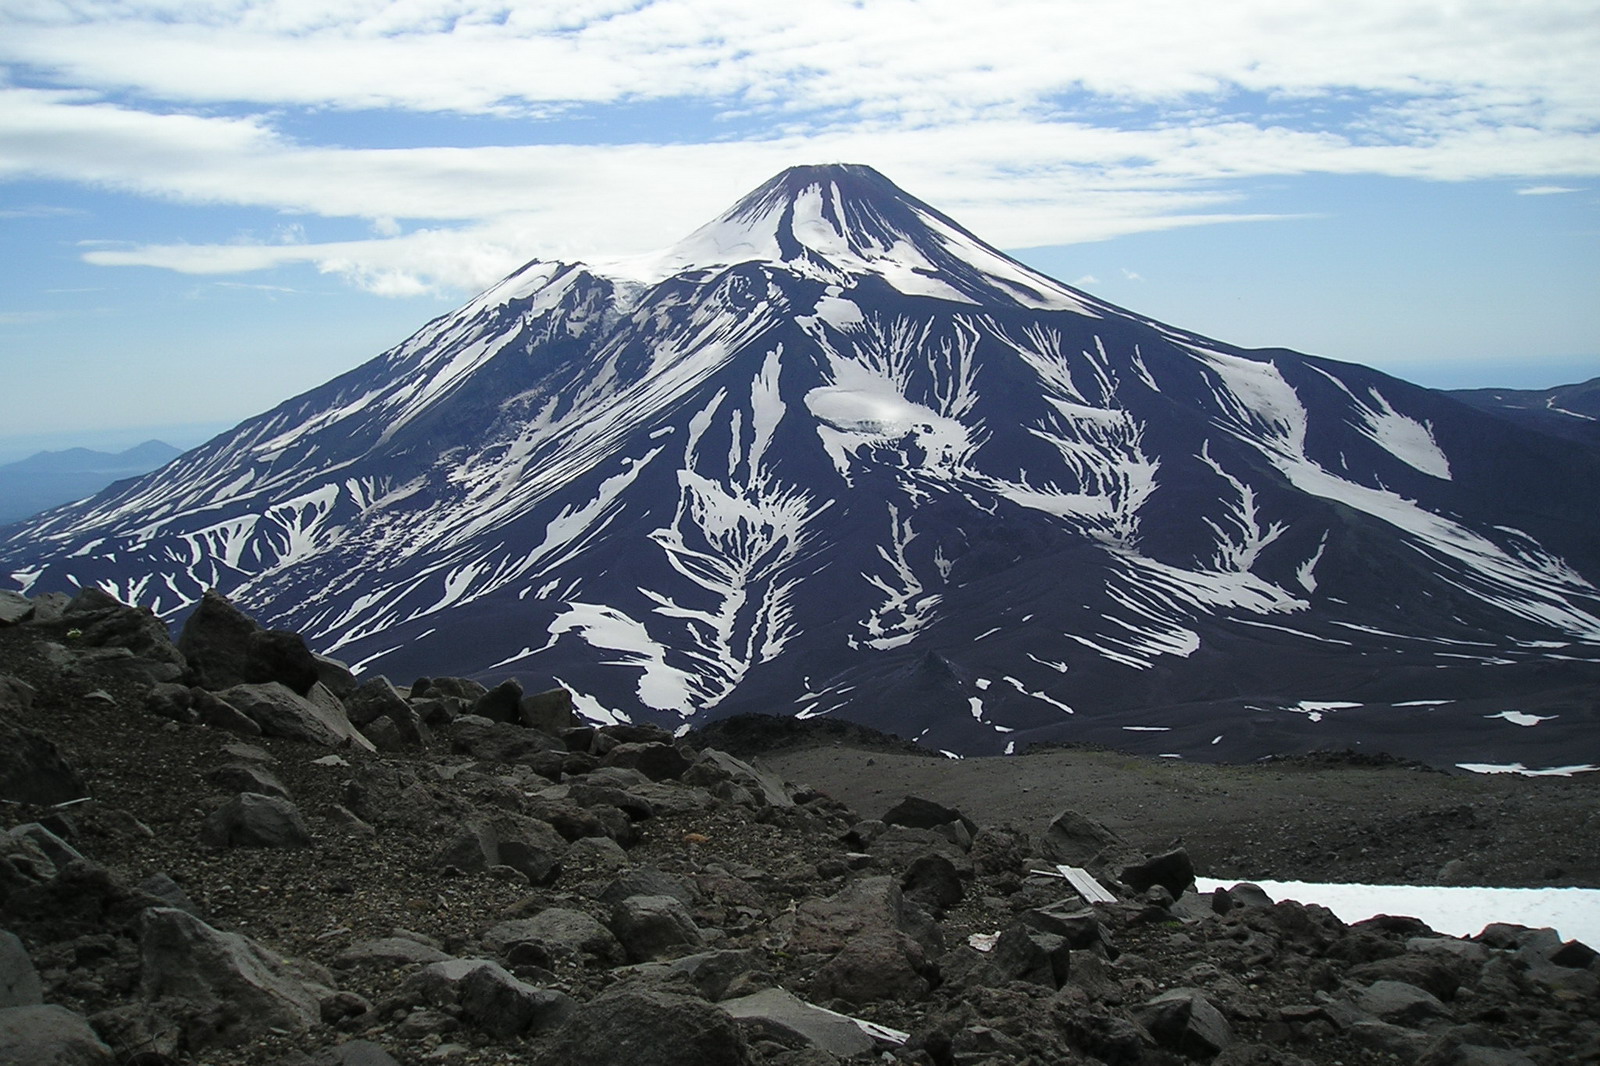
point(527, 845)
point(554, 934)
point(721, 773)
point(1076, 840)
point(49, 1036)
point(654, 927)
point(1399, 1003)
point(490, 998)
point(385, 717)
point(229, 986)
point(225, 648)
point(19, 981)
point(777, 1014)
point(1183, 1020)
point(649, 881)
point(647, 1028)
point(251, 820)
point(14, 607)
point(282, 712)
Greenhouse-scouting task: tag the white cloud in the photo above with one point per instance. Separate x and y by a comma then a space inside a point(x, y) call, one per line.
point(1033, 121)
point(1545, 190)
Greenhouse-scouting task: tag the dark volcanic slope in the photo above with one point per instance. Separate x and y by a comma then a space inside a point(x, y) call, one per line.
point(834, 455)
point(1570, 411)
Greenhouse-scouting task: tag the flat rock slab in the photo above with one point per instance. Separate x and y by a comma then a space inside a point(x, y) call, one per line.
point(775, 1011)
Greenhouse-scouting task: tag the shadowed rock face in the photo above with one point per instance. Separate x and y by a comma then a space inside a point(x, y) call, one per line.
point(834, 455)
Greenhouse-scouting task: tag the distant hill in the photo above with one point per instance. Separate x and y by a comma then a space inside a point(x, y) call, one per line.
point(1570, 411)
point(49, 479)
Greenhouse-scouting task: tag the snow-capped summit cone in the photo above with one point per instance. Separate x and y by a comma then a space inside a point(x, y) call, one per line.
point(841, 222)
point(833, 454)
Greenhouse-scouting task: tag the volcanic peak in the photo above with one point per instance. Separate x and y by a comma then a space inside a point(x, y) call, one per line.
point(842, 222)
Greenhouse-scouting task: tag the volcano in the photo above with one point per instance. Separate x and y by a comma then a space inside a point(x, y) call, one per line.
point(833, 454)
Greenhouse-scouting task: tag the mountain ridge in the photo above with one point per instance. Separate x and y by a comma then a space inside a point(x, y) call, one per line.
point(804, 481)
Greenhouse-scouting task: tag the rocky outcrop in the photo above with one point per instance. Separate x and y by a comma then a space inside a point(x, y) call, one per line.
point(603, 894)
point(224, 647)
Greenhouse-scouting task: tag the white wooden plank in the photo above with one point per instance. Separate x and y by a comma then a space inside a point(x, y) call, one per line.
point(1087, 886)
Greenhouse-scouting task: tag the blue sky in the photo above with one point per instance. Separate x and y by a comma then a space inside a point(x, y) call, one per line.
point(207, 206)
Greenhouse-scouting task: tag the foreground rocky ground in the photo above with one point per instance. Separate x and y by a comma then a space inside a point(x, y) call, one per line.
point(227, 852)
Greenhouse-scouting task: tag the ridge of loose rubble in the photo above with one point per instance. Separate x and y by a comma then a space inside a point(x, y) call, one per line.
point(226, 850)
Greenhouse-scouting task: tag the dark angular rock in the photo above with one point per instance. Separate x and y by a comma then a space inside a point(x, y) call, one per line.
point(658, 762)
point(386, 718)
point(136, 630)
point(736, 780)
point(211, 711)
point(933, 881)
point(1172, 870)
point(250, 820)
point(647, 1028)
point(459, 688)
point(491, 741)
point(877, 965)
point(32, 769)
point(19, 981)
point(503, 703)
point(654, 927)
point(917, 813)
point(550, 711)
point(1024, 954)
point(1183, 1020)
point(1076, 840)
point(49, 1036)
point(1574, 954)
point(225, 647)
point(1243, 894)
